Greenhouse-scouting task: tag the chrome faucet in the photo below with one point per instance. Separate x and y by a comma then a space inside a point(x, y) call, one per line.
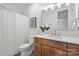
point(54, 33)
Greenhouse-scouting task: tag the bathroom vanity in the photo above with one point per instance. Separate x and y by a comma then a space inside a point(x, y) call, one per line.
point(51, 46)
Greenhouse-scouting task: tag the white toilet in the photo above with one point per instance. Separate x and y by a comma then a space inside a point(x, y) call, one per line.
point(27, 48)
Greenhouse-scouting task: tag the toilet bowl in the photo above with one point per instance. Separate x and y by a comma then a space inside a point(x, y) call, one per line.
point(26, 49)
point(25, 46)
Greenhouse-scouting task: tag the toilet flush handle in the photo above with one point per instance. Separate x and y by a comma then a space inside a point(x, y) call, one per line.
point(27, 41)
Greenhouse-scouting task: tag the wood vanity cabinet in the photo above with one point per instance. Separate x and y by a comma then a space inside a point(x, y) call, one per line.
point(47, 47)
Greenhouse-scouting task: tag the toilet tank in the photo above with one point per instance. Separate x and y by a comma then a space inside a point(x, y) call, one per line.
point(30, 39)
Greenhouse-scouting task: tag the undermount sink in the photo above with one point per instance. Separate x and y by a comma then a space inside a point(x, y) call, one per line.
point(56, 36)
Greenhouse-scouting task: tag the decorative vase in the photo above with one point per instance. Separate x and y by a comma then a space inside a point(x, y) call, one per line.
point(43, 33)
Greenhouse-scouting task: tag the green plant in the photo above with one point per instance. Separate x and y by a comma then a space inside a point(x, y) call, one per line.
point(43, 28)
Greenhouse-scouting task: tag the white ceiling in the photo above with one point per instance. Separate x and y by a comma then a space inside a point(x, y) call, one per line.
point(16, 4)
point(21, 7)
point(18, 7)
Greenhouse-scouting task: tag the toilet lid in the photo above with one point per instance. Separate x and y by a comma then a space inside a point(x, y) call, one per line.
point(25, 45)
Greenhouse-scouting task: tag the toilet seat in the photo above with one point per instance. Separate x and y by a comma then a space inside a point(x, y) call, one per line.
point(25, 45)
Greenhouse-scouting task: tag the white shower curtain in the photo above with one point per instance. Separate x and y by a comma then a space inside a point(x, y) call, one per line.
point(13, 31)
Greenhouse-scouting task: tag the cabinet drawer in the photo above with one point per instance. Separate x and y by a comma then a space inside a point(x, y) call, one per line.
point(55, 44)
point(37, 40)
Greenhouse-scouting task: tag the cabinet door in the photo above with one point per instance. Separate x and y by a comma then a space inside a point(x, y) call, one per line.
point(36, 54)
point(46, 50)
point(57, 52)
point(73, 50)
point(55, 44)
point(53, 51)
point(37, 40)
point(37, 50)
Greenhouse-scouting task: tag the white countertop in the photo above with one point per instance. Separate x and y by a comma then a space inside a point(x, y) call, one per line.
point(66, 39)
